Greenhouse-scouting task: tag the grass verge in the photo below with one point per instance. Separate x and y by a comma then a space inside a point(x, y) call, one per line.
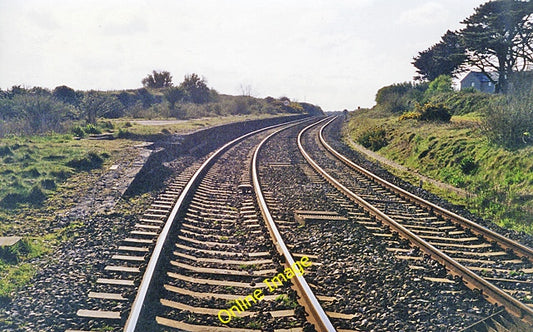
point(457, 153)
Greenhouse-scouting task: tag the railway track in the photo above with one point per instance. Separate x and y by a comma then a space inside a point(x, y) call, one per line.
point(213, 265)
point(204, 248)
point(498, 267)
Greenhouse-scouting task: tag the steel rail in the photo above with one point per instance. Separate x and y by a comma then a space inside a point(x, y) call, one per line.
point(493, 293)
point(138, 303)
point(306, 294)
point(506, 243)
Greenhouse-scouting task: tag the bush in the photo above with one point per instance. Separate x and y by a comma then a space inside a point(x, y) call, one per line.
point(373, 139)
point(78, 131)
point(409, 115)
point(87, 163)
point(509, 120)
point(91, 129)
point(434, 112)
point(400, 97)
point(468, 165)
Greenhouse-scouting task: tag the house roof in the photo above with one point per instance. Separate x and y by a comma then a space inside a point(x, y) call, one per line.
point(482, 77)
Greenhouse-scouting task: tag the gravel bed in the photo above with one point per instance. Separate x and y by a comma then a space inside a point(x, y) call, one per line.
point(230, 170)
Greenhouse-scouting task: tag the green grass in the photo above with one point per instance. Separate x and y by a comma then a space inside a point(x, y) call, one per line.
point(14, 277)
point(458, 153)
point(32, 168)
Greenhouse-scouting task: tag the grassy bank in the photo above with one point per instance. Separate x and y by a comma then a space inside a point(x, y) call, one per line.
point(457, 153)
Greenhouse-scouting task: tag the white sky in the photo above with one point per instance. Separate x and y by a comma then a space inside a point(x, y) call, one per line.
point(333, 53)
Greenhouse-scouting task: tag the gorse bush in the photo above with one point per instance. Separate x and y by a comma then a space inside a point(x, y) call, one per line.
point(433, 112)
point(373, 139)
point(409, 115)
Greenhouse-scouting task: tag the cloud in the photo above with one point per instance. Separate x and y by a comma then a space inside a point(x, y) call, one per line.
point(426, 14)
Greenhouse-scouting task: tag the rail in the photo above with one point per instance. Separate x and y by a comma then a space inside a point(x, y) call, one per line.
point(506, 243)
point(150, 272)
point(493, 293)
point(306, 294)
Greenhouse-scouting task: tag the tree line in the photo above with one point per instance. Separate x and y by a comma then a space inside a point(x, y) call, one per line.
point(498, 37)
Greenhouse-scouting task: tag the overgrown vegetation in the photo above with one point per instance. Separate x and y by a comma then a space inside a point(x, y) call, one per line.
point(459, 153)
point(507, 120)
point(373, 138)
point(38, 110)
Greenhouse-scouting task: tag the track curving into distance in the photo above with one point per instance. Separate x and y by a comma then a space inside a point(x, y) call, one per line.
point(214, 250)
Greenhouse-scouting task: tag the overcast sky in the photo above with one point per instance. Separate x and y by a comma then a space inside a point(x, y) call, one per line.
point(336, 54)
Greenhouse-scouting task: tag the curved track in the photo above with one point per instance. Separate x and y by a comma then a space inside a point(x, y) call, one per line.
point(214, 254)
point(497, 266)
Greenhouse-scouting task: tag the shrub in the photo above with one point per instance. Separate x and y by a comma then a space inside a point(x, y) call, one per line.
point(78, 131)
point(468, 165)
point(434, 112)
point(373, 139)
point(409, 115)
point(87, 163)
point(91, 129)
point(509, 120)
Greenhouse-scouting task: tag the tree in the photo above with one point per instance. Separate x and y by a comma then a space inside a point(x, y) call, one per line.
point(441, 84)
point(196, 88)
point(174, 95)
point(157, 80)
point(443, 58)
point(66, 95)
point(499, 37)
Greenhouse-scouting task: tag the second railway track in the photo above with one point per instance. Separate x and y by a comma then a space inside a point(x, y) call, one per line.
point(497, 266)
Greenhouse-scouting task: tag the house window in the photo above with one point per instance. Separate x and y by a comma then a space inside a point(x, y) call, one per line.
point(490, 83)
point(473, 84)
